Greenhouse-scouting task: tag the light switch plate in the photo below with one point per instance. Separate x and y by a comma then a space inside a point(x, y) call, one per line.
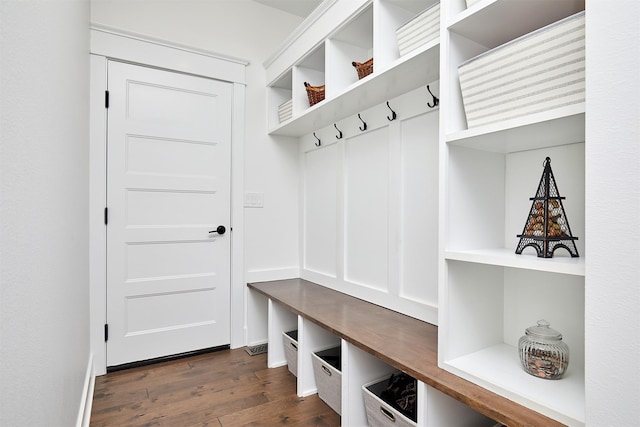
point(253, 200)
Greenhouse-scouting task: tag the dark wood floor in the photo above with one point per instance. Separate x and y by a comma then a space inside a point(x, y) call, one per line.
point(225, 388)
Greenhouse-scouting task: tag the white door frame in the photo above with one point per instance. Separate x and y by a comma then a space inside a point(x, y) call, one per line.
point(107, 43)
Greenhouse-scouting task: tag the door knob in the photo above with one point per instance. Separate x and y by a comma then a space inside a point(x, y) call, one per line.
point(220, 230)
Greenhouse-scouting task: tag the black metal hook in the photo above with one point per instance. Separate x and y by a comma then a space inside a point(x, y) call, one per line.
point(393, 114)
point(339, 136)
point(436, 101)
point(319, 143)
point(364, 125)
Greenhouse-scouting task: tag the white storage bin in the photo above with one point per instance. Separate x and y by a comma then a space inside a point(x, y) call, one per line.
point(537, 72)
point(327, 371)
point(420, 30)
point(379, 412)
point(290, 341)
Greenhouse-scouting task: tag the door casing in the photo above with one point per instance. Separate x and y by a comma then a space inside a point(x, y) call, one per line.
point(107, 44)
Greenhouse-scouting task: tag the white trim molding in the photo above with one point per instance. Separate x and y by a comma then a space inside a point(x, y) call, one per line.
point(238, 302)
point(300, 30)
point(86, 401)
point(267, 275)
point(112, 44)
point(132, 47)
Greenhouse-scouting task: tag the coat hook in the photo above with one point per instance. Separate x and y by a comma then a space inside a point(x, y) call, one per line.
point(364, 125)
point(393, 113)
point(436, 101)
point(319, 143)
point(339, 136)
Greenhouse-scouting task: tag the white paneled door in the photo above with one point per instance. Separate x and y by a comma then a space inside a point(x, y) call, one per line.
point(168, 199)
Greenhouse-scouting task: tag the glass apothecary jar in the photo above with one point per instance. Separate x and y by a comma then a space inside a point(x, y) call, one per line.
point(542, 352)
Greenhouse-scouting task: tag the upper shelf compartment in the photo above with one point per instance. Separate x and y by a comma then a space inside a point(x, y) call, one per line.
point(364, 33)
point(390, 16)
point(351, 42)
point(516, 66)
point(516, 18)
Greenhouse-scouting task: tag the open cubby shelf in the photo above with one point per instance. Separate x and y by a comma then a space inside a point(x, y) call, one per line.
point(486, 174)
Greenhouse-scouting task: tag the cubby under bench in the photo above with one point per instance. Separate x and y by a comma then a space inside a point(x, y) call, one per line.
point(375, 342)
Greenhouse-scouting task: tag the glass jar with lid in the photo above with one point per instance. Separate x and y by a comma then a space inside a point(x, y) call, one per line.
point(542, 352)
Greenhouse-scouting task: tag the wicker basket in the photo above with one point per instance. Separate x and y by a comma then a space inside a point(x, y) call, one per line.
point(315, 93)
point(363, 68)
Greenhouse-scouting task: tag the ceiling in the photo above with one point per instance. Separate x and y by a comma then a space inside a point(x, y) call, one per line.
point(300, 8)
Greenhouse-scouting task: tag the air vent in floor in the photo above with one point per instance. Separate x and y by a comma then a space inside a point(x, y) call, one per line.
point(257, 349)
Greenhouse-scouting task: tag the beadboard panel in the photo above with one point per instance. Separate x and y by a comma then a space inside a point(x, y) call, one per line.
point(370, 205)
point(320, 210)
point(419, 209)
point(366, 210)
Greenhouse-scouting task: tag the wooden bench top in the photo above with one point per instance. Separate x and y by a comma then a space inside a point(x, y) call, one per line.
point(403, 342)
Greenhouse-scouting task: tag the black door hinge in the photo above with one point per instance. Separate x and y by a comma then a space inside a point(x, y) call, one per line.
point(106, 332)
point(106, 216)
point(106, 99)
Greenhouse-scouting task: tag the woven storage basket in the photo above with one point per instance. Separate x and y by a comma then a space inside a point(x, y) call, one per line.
point(363, 68)
point(315, 93)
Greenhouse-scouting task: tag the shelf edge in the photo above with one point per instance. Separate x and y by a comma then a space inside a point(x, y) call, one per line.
point(303, 124)
point(502, 258)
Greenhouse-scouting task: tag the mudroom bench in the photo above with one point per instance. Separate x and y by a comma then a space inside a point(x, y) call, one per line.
point(376, 341)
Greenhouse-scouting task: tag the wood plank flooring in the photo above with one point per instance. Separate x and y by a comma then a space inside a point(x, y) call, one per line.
point(227, 388)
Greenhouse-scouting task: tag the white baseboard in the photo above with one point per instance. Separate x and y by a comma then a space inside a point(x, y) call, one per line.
point(266, 275)
point(86, 402)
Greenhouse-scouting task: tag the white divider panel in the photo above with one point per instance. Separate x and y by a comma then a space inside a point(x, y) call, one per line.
point(439, 410)
point(280, 320)
point(311, 338)
point(358, 368)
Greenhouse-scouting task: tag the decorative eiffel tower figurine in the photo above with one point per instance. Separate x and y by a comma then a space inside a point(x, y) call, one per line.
point(547, 227)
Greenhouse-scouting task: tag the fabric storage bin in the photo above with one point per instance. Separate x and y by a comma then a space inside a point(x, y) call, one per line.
point(420, 30)
point(327, 366)
point(537, 72)
point(379, 412)
point(290, 341)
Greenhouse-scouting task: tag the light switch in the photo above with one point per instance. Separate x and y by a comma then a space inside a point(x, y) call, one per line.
point(253, 200)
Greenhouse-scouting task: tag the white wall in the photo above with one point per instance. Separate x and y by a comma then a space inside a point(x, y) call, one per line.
point(44, 296)
point(612, 318)
point(248, 30)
